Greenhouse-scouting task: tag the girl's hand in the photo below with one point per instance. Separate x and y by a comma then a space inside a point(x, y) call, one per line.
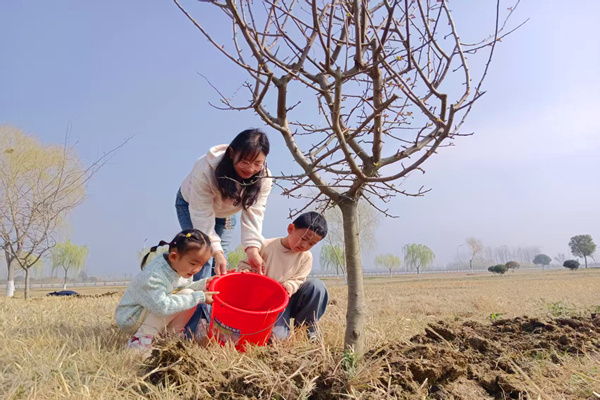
point(208, 297)
point(220, 263)
point(208, 281)
point(255, 260)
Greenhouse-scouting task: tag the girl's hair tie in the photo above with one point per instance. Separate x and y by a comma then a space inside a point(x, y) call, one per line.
point(199, 238)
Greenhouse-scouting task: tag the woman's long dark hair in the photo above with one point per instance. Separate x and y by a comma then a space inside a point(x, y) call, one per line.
point(246, 146)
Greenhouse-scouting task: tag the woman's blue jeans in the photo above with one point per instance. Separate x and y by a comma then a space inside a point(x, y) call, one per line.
point(223, 228)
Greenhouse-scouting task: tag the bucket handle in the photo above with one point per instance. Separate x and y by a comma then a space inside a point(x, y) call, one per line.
point(262, 330)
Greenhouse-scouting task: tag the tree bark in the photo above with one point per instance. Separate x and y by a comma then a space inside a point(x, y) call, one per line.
point(10, 278)
point(355, 313)
point(65, 281)
point(585, 259)
point(27, 284)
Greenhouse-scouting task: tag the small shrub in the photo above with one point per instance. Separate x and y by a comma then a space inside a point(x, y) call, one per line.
point(512, 265)
point(499, 269)
point(558, 309)
point(495, 316)
point(542, 259)
point(350, 362)
point(571, 264)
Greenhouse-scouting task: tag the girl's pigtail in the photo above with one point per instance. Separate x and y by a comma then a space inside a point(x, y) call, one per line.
point(152, 250)
point(181, 243)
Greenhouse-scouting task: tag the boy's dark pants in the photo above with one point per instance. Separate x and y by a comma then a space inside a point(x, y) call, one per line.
point(306, 306)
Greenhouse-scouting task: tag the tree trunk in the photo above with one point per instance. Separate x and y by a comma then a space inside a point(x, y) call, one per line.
point(345, 270)
point(65, 281)
point(10, 278)
point(585, 259)
point(27, 284)
point(471, 265)
point(355, 313)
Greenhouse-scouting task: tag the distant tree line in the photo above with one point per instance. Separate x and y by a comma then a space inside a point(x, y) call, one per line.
point(580, 245)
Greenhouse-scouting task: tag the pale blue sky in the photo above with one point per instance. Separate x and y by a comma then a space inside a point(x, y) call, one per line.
point(113, 69)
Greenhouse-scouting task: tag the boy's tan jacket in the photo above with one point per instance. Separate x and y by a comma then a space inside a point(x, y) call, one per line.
point(289, 269)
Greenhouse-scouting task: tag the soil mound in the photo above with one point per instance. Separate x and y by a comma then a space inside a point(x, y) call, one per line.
point(452, 360)
point(447, 361)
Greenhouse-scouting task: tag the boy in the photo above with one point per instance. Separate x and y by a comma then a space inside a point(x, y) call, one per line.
point(289, 261)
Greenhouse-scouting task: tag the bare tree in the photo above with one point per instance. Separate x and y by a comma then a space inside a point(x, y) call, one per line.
point(476, 248)
point(39, 185)
point(503, 254)
point(360, 94)
point(560, 258)
point(460, 259)
point(368, 221)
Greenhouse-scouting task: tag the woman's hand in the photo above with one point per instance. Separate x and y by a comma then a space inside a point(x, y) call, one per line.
point(220, 263)
point(255, 260)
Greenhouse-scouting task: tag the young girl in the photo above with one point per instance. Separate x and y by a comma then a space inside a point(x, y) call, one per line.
point(163, 296)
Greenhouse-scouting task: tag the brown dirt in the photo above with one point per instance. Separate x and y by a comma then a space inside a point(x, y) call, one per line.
point(468, 360)
point(453, 359)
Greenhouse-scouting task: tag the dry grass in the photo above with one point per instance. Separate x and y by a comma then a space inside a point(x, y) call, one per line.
point(70, 348)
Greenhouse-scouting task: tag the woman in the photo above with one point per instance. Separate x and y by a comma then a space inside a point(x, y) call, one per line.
point(229, 178)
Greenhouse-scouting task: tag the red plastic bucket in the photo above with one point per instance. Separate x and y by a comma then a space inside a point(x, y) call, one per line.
point(246, 308)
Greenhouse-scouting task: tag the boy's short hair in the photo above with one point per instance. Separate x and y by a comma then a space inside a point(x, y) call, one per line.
point(314, 221)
